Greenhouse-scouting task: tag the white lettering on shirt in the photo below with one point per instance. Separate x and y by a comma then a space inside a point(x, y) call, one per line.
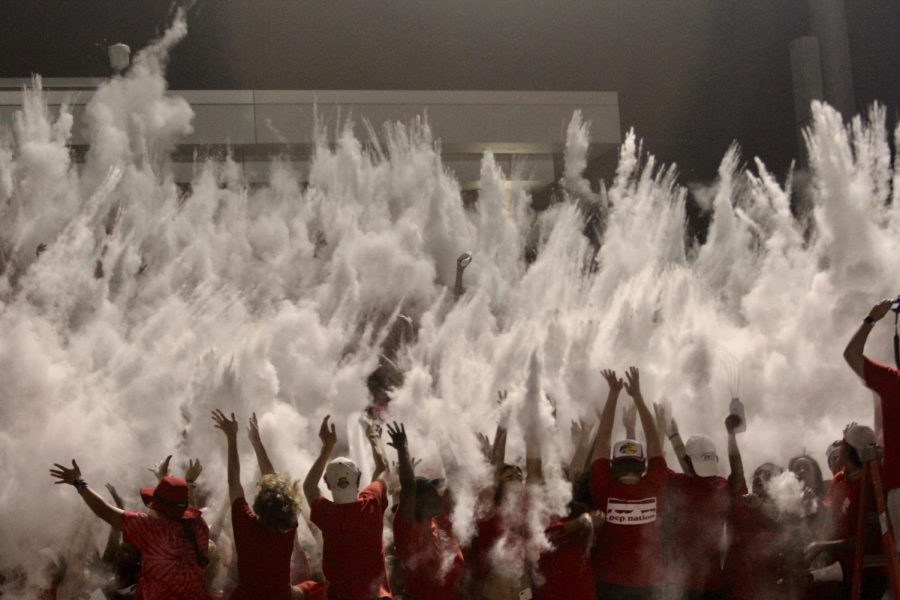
point(631, 512)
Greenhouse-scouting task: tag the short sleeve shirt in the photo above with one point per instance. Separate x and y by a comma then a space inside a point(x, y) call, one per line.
point(353, 553)
point(264, 557)
point(628, 547)
point(885, 381)
point(431, 558)
point(169, 567)
point(698, 508)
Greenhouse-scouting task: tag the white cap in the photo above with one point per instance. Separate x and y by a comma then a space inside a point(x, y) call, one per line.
point(342, 477)
point(859, 436)
point(628, 449)
point(702, 452)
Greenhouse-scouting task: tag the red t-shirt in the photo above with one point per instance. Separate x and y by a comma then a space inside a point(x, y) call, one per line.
point(697, 509)
point(565, 572)
point(753, 564)
point(431, 558)
point(263, 556)
point(628, 548)
point(169, 568)
point(353, 556)
point(885, 381)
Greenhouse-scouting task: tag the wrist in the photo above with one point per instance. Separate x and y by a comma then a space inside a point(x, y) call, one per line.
point(80, 485)
point(869, 319)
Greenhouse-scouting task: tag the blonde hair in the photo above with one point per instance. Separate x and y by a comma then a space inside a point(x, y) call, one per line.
point(277, 502)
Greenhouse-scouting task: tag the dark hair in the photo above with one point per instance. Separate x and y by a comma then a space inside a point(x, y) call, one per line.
point(852, 455)
point(819, 487)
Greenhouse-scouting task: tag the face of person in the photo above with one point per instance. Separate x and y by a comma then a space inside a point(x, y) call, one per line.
point(805, 472)
point(761, 477)
point(431, 503)
point(835, 462)
point(628, 472)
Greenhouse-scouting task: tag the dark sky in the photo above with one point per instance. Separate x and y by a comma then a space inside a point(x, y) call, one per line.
point(691, 75)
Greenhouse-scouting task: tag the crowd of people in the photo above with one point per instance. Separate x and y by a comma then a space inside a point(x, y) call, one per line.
point(635, 528)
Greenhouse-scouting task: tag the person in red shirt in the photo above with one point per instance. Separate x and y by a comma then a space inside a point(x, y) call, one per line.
point(698, 507)
point(264, 534)
point(628, 561)
point(884, 381)
point(173, 541)
point(351, 523)
point(424, 543)
point(843, 501)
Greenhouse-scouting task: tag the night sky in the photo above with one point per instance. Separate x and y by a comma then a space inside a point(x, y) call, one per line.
point(691, 75)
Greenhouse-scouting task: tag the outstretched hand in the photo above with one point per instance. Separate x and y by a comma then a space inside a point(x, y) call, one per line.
point(633, 382)
point(161, 469)
point(732, 422)
point(615, 384)
point(397, 433)
point(228, 426)
point(66, 475)
point(484, 443)
point(879, 310)
point(253, 430)
point(328, 434)
point(193, 470)
point(463, 261)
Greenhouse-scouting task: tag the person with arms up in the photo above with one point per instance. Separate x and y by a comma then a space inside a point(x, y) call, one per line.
point(172, 538)
point(429, 553)
point(264, 534)
point(630, 489)
point(884, 381)
point(351, 523)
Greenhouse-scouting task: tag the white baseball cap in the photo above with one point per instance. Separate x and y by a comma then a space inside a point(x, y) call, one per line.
point(342, 477)
point(702, 452)
point(628, 450)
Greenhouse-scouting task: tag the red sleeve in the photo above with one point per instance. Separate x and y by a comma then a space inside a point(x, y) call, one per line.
point(241, 515)
point(136, 529)
point(600, 477)
point(881, 378)
point(319, 511)
point(657, 471)
point(375, 492)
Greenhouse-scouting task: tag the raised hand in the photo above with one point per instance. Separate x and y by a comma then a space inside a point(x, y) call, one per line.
point(663, 422)
point(328, 434)
point(161, 469)
point(228, 426)
point(373, 431)
point(115, 496)
point(193, 470)
point(633, 382)
point(732, 422)
point(463, 261)
point(615, 384)
point(879, 310)
point(397, 433)
point(66, 475)
point(484, 443)
point(253, 430)
point(502, 395)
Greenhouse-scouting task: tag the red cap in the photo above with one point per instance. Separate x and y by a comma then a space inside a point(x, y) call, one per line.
point(170, 498)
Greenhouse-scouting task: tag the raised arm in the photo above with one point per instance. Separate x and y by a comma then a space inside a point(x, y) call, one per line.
point(629, 422)
point(602, 445)
point(191, 474)
point(373, 434)
point(328, 435)
point(262, 457)
point(853, 353)
point(581, 441)
point(99, 506)
point(115, 534)
point(230, 428)
point(399, 442)
point(461, 263)
point(633, 388)
point(677, 446)
point(736, 480)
